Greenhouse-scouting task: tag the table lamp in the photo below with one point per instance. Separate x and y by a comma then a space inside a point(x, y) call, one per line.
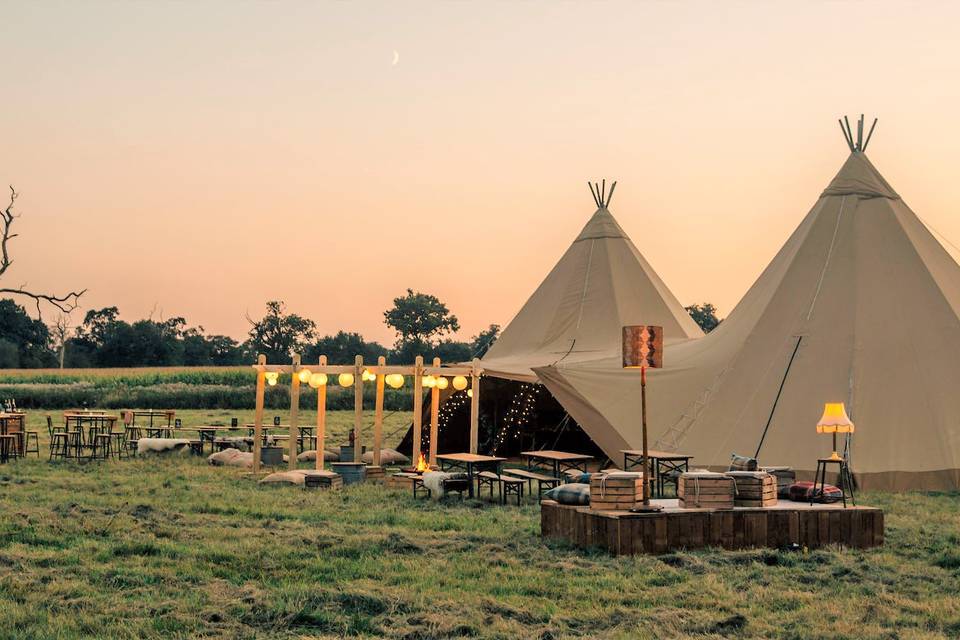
point(835, 420)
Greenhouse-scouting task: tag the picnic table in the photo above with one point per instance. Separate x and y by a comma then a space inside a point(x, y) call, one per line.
point(150, 414)
point(559, 460)
point(662, 463)
point(11, 435)
point(208, 433)
point(469, 462)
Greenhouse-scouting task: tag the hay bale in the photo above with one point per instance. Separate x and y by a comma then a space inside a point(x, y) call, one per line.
point(162, 445)
point(311, 456)
point(388, 458)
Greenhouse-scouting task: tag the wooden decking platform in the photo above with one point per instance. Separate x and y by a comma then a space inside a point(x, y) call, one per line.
point(787, 523)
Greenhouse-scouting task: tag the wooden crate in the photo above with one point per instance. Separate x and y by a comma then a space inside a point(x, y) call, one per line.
point(375, 474)
point(322, 480)
point(704, 490)
point(617, 491)
point(754, 488)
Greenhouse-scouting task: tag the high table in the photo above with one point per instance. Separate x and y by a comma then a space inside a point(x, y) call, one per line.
point(150, 414)
point(469, 461)
point(560, 460)
point(96, 423)
point(12, 426)
point(661, 463)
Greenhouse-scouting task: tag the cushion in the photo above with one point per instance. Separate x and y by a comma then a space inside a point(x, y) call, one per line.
point(578, 477)
point(571, 493)
point(742, 463)
point(802, 491)
point(231, 458)
point(388, 458)
point(286, 477)
point(311, 456)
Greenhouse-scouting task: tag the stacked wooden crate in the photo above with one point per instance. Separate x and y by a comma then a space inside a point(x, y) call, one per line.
point(754, 488)
point(616, 491)
point(705, 490)
point(322, 480)
point(375, 474)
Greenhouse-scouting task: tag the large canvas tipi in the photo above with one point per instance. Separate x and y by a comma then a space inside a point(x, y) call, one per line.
point(601, 283)
point(861, 306)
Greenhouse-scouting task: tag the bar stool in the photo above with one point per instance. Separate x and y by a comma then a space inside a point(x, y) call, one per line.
point(7, 444)
point(58, 441)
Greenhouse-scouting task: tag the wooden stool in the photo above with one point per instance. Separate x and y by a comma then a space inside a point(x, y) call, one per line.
point(844, 479)
point(7, 444)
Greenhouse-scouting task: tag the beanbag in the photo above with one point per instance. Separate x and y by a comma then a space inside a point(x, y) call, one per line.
point(286, 477)
point(311, 456)
point(803, 491)
point(572, 493)
point(231, 458)
point(388, 458)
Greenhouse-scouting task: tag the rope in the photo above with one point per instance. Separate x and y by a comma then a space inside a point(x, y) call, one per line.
point(826, 263)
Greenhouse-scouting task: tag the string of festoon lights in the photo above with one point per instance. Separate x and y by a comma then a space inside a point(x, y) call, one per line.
point(522, 410)
point(447, 411)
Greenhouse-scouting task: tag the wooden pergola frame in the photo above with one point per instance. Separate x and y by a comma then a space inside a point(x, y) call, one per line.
point(417, 370)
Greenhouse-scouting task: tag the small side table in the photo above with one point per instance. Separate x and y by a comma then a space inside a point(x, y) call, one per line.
point(844, 479)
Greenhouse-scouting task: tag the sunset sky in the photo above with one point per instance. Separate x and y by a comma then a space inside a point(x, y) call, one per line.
point(198, 159)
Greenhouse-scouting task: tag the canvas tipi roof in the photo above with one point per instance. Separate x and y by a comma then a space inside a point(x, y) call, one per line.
point(861, 306)
point(601, 283)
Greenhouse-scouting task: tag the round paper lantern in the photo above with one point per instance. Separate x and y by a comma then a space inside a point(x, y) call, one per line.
point(394, 380)
point(317, 380)
point(469, 393)
point(367, 376)
point(459, 383)
point(272, 377)
point(429, 382)
point(304, 375)
point(345, 379)
point(442, 383)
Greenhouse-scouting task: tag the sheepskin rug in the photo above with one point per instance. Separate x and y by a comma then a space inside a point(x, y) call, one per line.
point(162, 445)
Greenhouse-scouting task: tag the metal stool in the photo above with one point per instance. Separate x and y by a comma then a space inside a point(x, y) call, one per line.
point(31, 436)
point(844, 479)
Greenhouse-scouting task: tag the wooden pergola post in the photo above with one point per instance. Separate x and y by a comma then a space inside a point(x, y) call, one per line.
point(357, 406)
point(321, 417)
point(378, 414)
point(294, 413)
point(417, 409)
point(434, 417)
point(475, 407)
point(258, 415)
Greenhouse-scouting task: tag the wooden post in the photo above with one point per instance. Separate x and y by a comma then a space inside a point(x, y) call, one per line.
point(258, 416)
point(357, 405)
point(294, 414)
point(378, 415)
point(321, 417)
point(417, 409)
point(434, 418)
point(475, 407)
point(647, 475)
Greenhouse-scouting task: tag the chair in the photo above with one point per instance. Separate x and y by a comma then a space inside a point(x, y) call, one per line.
point(58, 441)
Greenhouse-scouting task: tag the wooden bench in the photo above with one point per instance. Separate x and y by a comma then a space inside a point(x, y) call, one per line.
point(416, 481)
point(508, 485)
point(541, 478)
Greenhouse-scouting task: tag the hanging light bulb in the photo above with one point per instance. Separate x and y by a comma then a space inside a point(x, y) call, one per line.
point(345, 379)
point(442, 383)
point(429, 382)
point(459, 383)
point(272, 377)
point(394, 380)
point(318, 380)
point(304, 375)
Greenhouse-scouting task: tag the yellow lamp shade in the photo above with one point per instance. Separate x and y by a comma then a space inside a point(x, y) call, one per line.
point(345, 379)
point(835, 419)
point(317, 380)
point(442, 383)
point(394, 380)
point(429, 382)
point(304, 375)
point(459, 383)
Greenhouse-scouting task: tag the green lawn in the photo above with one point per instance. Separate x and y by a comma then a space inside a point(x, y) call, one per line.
point(174, 548)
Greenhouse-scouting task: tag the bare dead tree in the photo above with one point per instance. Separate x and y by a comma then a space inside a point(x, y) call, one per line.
point(64, 303)
point(60, 332)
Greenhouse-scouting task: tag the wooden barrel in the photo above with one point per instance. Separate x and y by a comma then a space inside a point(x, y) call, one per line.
point(351, 472)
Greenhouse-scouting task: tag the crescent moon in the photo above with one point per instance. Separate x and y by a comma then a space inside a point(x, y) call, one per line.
point(396, 58)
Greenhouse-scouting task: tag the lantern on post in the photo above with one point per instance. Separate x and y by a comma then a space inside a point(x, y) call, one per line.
point(643, 349)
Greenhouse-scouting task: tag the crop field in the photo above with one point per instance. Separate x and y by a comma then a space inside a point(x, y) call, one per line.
point(175, 548)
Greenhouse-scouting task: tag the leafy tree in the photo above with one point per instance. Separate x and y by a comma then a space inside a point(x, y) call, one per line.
point(25, 341)
point(704, 315)
point(482, 342)
point(279, 335)
point(420, 320)
point(342, 348)
point(451, 351)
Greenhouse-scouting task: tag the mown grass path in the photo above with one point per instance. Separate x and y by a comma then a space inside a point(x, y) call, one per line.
point(173, 548)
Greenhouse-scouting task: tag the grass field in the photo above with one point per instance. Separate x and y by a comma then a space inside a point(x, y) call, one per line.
point(174, 548)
